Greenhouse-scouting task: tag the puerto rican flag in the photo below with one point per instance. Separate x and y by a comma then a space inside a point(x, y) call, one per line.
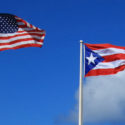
point(103, 59)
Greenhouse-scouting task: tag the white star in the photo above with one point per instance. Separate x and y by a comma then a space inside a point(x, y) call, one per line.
point(91, 59)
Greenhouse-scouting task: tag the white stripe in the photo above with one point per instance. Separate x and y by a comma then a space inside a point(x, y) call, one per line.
point(43, 37)
point(28, 25)
point(109, 51)
point(107, 65)
point(17, 33)
point(20, 43)
point(26, 29)
point(21, 23)
point(20, 38)
point(34, 27)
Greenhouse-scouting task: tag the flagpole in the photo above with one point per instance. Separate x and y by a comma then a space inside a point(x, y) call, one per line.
point(80, 121)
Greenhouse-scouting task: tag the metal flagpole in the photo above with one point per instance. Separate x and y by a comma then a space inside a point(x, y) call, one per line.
point(80, 122)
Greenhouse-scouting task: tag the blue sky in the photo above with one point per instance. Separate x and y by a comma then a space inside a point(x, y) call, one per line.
point(38, 85)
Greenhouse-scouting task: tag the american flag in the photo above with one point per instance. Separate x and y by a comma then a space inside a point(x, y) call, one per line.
point(104, 59)
point(16, 33)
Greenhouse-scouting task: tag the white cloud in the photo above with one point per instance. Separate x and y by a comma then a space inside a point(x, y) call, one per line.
point(104, 98)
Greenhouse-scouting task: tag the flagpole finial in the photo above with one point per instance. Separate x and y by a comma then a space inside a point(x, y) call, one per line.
point(81, 41)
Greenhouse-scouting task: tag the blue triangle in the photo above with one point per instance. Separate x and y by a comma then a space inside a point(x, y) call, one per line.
point(98, 59)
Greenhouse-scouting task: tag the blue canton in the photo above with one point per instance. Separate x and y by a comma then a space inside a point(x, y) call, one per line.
point(8, 23)
point(91, 59)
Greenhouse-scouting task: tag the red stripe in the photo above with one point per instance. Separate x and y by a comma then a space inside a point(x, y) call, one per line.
point(35, 28)
point(17, 35)
point(31, 26)
point(114, 57)
point(23, 26)
point(112, 71)
point(22, 46)
point(102, 46)
point(18, 20)
point(21, 40)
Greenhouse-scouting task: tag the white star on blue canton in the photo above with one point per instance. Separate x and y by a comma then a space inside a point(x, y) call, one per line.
point(91, 59)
